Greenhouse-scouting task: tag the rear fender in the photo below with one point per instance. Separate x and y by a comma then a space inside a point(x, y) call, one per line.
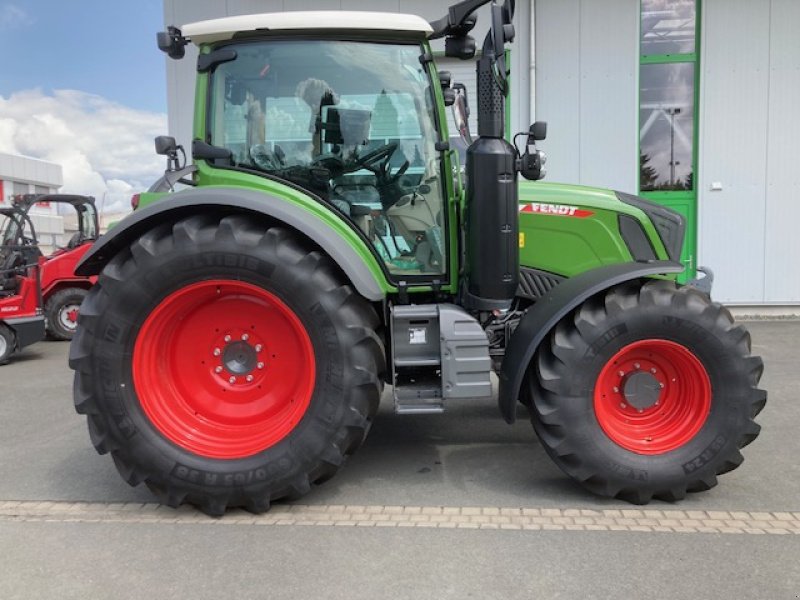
point(365, 274)
point(556, 304)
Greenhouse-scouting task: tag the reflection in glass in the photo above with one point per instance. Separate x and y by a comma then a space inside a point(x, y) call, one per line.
point(668, 27)
point(666, 127)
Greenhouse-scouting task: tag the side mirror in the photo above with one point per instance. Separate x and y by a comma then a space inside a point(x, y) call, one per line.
point(461, 112)
point(172, 42)
point(538, 131)
point(462, 47)
point(166, 145)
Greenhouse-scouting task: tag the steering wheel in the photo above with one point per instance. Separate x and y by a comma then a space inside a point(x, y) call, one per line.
point(369, 160)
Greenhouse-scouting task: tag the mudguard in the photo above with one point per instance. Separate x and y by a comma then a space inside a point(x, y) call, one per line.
point(192, 201)
point(554, 306)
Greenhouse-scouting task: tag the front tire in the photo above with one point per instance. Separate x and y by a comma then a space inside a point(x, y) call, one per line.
point(7, 343)
point(647, 391)
point(62, 309)
point(223, 363)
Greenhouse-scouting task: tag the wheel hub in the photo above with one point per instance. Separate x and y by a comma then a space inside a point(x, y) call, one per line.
point(641, 390)
point(239, 358)
point(68, 316)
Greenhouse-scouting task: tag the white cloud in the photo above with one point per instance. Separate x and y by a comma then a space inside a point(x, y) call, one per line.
point(12, 16)
point(105, 149)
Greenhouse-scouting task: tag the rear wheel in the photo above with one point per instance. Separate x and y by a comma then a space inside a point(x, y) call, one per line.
point(224, 364)
point(62, 310)
point(647, 391)
point(7, 343)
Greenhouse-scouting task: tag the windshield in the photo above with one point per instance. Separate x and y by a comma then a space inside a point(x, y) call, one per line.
point(351, 122)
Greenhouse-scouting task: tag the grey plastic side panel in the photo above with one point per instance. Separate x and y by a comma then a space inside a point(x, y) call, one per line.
point(466, 365)
point(550, 309)
point(193, 201)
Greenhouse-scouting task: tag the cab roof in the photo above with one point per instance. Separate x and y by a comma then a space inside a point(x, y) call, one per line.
point(215, 30)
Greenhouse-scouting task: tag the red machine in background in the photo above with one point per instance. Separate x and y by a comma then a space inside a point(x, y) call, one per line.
point(61, 290)
point(22, 321)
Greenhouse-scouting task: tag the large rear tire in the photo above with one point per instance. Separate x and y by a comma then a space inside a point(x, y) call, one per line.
point(646, 391)
point(224, 364)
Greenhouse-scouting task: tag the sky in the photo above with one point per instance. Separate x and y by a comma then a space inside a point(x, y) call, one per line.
point(83, 84)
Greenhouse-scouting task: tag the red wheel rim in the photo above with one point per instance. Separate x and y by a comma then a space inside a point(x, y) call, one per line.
point(223, 369)
point(652, 397)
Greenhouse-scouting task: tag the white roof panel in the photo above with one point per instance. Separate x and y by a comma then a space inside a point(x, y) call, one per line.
point(215, 30)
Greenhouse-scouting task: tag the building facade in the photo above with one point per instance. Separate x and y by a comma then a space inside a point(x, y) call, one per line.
point(692, 103)
point(24, 175)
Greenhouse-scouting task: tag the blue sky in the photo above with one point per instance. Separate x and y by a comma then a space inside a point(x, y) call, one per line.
point(101, 47)
point(83, 85)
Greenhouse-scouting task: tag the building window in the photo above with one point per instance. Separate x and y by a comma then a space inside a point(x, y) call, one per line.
point(667, 84)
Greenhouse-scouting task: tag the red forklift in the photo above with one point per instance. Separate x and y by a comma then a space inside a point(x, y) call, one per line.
point(62, 291)
point(22, 321)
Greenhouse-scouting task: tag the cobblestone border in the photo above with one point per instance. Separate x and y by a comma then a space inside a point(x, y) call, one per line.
point(441, 517)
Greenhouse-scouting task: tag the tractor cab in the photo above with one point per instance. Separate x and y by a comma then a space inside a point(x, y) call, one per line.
point(352, 121)
point(21, 318)
point(88, 226)
point(18, 247)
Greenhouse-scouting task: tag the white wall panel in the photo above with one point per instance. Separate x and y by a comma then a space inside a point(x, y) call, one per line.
point(733, 146)
point(586, 78)
point(609, 66)
point(557, 41)
point(782, 242)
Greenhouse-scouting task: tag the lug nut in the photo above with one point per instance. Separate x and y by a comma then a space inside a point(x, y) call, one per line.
point(653, 370)
point(616, 390)
point(636, 366)
point(661, 385)
point(232, 380)
point(245, 337)
point(249, 378)
point(217, 351)
point(621, 373)
point(227, 338)
point(623, 405)
point(260, 365)
point(218, 370)
point(259, 347)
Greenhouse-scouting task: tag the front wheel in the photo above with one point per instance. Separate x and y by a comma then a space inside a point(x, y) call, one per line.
point(647, 391)
point(62, 310)
point(224, 363)
point(7, 343)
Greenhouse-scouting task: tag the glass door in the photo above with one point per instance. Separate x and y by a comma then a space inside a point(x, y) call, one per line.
point(668, 84)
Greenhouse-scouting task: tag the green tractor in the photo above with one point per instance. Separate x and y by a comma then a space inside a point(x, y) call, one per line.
point(236, 347)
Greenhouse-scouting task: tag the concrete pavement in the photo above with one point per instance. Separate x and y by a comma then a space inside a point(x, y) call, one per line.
point(70, 528)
